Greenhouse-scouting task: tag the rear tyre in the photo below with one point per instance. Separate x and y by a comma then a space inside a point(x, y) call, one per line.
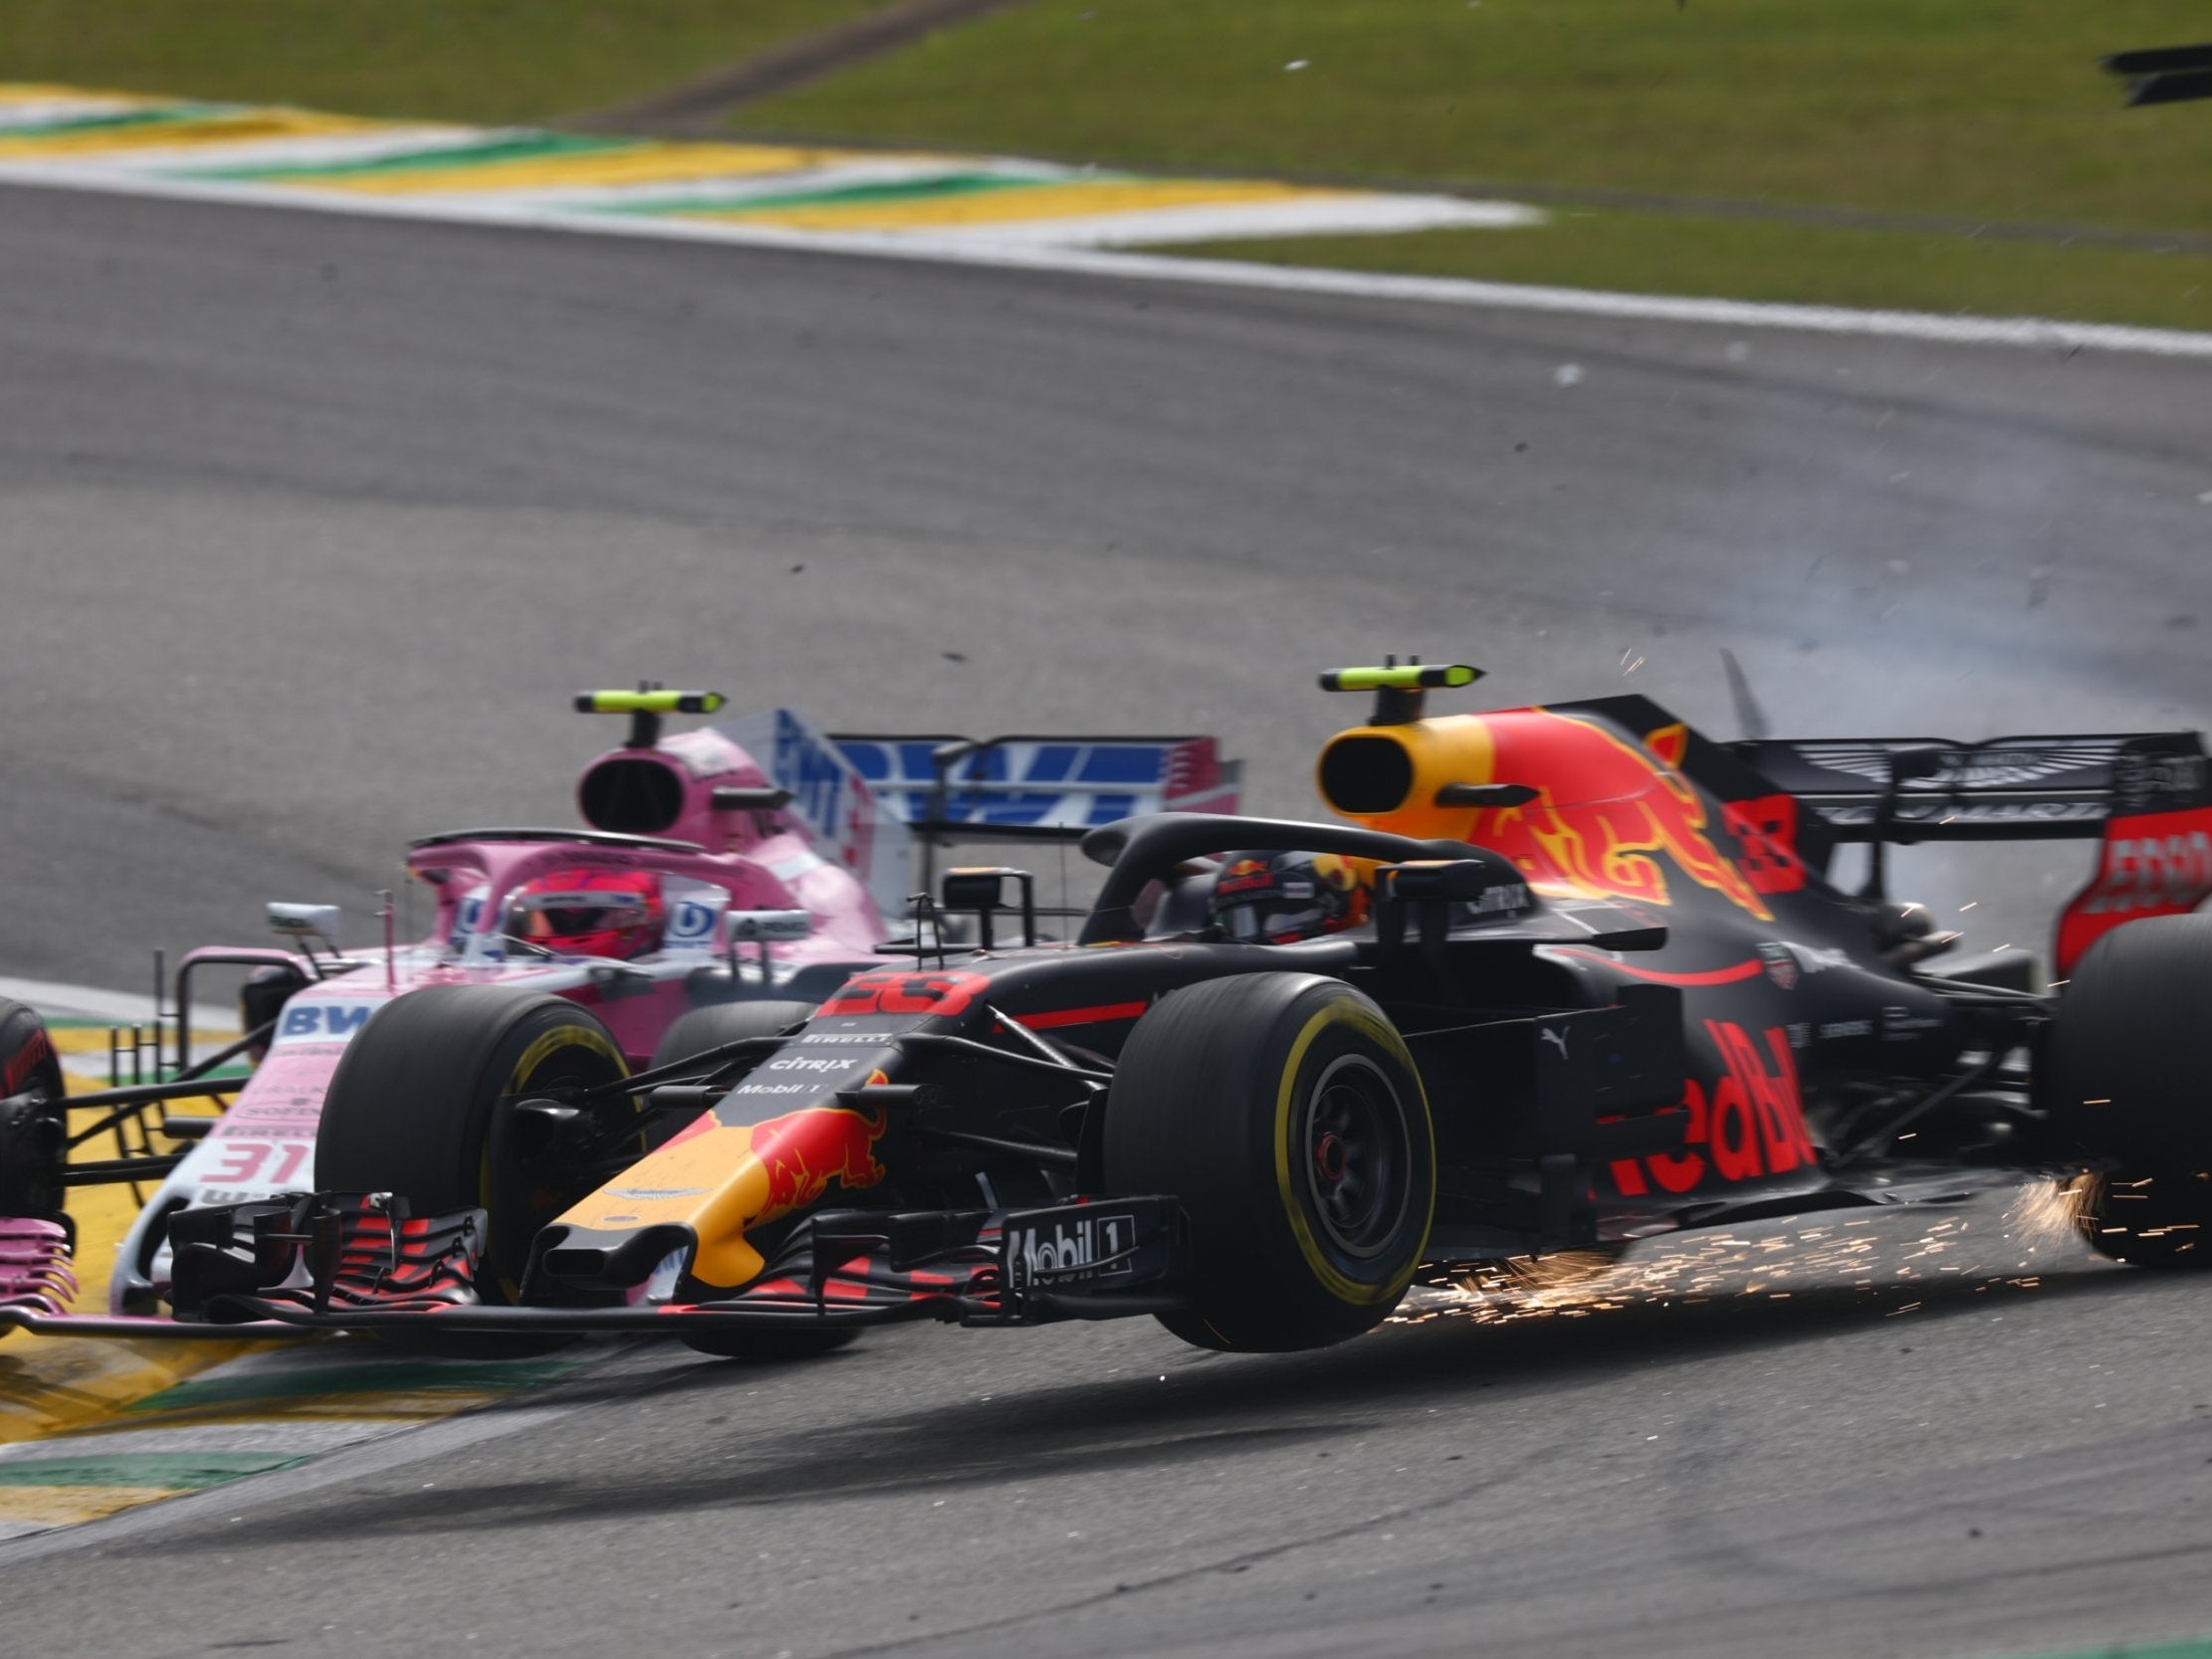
point(2129, 1080)
point(33, 1121)
point(1285, 1114)
point(695, 1033)
point(420, 1106)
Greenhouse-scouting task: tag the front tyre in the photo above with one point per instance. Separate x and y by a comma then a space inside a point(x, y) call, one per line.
point(1284, 1113)
point(707, 1027)
point(34, 1126)
point(421, 1105)
point(2128, 1080)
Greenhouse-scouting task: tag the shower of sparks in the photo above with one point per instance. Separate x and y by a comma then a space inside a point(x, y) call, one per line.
point(1860, 1254)
point(2048, 1213)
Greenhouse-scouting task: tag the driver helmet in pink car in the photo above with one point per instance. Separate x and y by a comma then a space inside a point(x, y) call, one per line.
point(590, 913)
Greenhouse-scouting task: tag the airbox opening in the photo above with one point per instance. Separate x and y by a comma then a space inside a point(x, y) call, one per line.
point(631, 795)
point(1366, 775)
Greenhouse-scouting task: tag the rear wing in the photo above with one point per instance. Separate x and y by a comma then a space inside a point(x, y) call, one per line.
point(1020, 787)
point(950, 789)
point(866, 800)
point(2146, 796)
point(1909, 789)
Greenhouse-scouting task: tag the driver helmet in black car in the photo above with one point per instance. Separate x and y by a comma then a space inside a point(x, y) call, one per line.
point(1280, 897)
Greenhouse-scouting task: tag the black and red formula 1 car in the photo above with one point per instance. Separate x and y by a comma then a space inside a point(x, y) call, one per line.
point(1569, 976)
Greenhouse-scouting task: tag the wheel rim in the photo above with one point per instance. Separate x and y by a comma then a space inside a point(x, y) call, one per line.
point(1357, 1157)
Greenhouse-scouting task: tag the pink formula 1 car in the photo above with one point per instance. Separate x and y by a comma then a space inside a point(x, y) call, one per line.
point(731, 878)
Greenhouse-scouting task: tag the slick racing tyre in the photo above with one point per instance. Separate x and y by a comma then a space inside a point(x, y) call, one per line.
point(419, 1105)
point(695, 1033)
point(34, 1122)
point(725, 1022)
point(1284, 1113)
point(2128, 1080)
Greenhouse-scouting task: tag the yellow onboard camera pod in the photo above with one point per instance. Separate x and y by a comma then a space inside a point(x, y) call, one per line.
point(650, 701)
point(645, 707)
point(1400, 688)
point(1394, 677)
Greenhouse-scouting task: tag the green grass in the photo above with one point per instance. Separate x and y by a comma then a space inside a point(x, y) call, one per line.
point(444, 59)
point(1653, 253)
point(1969, 112)
point(1972, 111)
point(1979, 109)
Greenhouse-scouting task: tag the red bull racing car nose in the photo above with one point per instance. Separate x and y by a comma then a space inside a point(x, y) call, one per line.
point(732, 1172)
point(610, 1261)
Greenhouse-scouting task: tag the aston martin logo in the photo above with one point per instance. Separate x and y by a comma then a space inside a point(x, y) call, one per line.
point(1974, 769)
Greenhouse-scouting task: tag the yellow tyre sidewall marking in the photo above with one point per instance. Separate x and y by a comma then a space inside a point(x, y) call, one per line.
point(549, 1043)
point(1325, 1272)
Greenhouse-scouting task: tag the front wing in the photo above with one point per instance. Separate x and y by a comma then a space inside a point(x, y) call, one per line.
point(359, 1261)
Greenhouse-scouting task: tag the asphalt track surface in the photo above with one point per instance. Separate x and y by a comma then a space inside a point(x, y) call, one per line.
point(308, 527)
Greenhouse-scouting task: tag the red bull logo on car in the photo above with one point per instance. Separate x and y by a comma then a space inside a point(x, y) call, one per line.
point(1610, 816)
point(1605, 809)
point(1748, 1123)
point(725, 1180)
point(802, 1153)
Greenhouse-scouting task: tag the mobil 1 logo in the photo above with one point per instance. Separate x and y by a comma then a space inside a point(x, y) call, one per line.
point(1087, 1244)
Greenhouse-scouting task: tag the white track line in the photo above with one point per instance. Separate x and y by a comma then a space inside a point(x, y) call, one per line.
point(31, 114)
point(334, 149)
point(1214, 221)
point(2040, 333)
point(88, 1002)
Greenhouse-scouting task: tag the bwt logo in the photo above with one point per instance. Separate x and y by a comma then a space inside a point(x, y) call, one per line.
point(689, 919)
point(326, 1021)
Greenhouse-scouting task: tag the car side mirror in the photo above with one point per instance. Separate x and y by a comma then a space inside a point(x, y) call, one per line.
point(304, 922)
point(769, 927)
point(983, 890)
